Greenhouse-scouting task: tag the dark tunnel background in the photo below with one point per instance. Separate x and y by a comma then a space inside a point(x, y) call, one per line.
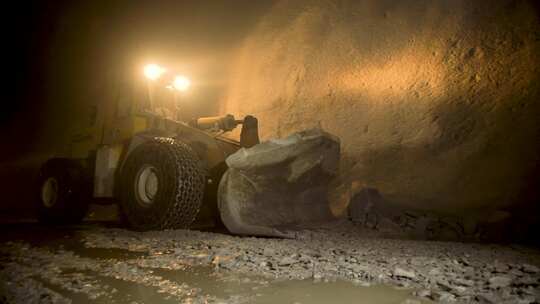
point(296, 65)
point(59, 53)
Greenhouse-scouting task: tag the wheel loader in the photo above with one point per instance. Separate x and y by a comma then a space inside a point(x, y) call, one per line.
point(138, 148)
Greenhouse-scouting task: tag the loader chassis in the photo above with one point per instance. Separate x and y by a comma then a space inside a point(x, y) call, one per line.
point(158, 169)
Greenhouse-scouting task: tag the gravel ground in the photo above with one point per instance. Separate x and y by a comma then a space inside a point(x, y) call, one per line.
point(437, 271)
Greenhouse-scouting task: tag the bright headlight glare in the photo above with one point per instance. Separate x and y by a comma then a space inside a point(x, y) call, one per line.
point(181, 83)
point(153, 71)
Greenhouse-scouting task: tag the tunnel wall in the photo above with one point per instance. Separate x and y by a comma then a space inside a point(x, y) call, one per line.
point(435, 102)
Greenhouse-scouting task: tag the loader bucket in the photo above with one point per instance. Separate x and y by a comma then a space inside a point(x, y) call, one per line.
point(275, 186)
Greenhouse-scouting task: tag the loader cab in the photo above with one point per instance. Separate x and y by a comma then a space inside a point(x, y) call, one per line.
point(107, 116)
point(115, 113)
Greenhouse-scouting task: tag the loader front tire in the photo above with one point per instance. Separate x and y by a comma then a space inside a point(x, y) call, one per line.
point(63, 193)
point(161, 186)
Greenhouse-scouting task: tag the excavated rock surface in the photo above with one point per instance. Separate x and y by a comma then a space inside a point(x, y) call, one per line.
point(435, 102)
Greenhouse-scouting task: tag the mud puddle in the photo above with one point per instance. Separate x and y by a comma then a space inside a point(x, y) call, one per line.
point(117, 291)
point(252, 289)
point(333, 292)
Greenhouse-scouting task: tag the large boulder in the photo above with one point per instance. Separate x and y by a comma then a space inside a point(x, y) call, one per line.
point(278, 184)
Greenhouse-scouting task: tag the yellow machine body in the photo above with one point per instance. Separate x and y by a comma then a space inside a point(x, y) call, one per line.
point(121, 120)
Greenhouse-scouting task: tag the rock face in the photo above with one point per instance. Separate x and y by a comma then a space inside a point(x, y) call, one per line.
point(279, 183)
point(435, 102)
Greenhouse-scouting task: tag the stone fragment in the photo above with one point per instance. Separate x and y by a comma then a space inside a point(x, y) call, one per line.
point(403, 273)
point(528, 268)
point(464, 261)
point(305, 259)
point(500, 281)
point(286, 261)
point(269, 251)
point(444, 297)
point(444, 285)
point(464, 282)
point(435, 271)
point(489, 298)
point(423, 293)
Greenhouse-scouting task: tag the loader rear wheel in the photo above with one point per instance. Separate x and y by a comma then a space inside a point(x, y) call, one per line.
point(63, 195)
point(161, 186)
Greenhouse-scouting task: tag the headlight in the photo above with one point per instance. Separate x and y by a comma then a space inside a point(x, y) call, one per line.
point(153, 71)
point(181, 83)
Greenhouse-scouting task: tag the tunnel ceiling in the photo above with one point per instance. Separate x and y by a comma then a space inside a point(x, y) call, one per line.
point(435, 102)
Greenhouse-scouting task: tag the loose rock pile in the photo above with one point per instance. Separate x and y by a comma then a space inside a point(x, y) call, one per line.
point(445, 272)
point(440, 271)
point(370, 210)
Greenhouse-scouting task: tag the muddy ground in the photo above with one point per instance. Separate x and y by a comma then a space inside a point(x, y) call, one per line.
point(340, 263)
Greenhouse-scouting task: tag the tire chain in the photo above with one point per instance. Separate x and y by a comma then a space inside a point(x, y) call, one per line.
point(190, 188)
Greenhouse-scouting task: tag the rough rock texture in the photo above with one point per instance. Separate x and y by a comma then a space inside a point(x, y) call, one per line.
point(279, 183)
point(109, 260)
point(436, 102)
point(446, 272)
point(370, 210)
